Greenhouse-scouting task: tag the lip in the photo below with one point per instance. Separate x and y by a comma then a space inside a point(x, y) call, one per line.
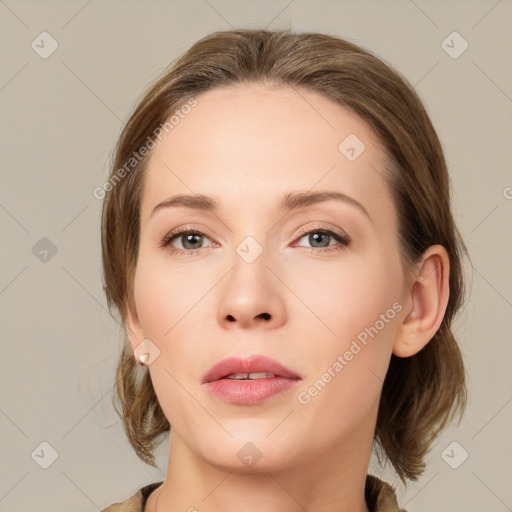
point(249, 392)
point(252, 364)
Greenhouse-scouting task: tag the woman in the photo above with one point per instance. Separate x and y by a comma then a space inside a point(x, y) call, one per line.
point(278, 239)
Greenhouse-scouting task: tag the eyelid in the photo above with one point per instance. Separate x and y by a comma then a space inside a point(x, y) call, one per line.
point(342, 238)
point(176, 233)
point(323, 227)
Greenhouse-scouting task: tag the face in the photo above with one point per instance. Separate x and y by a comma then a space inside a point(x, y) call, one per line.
point(316, 285)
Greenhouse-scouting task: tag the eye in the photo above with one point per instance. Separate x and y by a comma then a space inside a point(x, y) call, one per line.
point(322, 237)
point(190, 239)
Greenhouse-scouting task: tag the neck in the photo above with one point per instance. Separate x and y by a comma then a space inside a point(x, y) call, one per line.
point(333, 481)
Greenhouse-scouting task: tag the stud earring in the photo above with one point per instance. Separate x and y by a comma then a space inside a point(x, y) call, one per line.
point(142, 359)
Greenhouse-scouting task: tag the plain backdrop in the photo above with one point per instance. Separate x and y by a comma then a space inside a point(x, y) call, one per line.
point(64, 97)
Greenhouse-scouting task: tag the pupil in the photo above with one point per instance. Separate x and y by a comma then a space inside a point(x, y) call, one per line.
point(315, 237)
point(188, 237)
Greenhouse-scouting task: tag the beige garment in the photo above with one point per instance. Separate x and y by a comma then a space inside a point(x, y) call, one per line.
point(379, 495)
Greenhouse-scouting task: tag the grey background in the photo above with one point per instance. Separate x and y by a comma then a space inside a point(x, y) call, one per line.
point(60, 119)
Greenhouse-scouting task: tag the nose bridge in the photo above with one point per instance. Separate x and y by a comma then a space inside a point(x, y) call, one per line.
point(251, 292)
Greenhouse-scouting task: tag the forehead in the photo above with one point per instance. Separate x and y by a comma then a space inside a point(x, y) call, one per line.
point(248, 145)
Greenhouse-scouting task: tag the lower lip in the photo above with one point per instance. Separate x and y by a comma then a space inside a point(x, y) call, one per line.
point(249, 392)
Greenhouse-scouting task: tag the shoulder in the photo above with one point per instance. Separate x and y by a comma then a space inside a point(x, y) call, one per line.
point(134, 503)
point(380, 496)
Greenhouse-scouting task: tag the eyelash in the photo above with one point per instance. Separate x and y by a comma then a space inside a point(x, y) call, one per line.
point(343, 240)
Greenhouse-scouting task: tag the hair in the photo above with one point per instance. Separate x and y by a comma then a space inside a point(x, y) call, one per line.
point(420, 393)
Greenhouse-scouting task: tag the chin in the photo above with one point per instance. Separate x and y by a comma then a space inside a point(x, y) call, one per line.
point(248, 452)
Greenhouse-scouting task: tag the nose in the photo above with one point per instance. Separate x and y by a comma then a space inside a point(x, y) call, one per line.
point(251, 297)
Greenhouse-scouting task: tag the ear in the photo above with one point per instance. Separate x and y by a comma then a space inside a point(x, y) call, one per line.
point(429, 297)
point(132, 325)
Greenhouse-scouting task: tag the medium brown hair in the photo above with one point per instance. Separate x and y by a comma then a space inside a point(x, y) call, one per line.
point(421, 393)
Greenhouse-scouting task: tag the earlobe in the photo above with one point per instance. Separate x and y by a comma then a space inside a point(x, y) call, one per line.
point(429, 297)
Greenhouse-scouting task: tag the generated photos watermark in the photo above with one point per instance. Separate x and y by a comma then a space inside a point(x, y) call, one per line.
point(361, 341)
point(143, 151)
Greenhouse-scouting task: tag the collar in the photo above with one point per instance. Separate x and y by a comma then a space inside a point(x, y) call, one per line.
point(379, 495)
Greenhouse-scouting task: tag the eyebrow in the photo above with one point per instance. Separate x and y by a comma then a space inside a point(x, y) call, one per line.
point(290, 201)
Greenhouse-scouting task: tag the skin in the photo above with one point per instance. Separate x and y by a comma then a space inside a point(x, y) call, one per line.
point(247, 146)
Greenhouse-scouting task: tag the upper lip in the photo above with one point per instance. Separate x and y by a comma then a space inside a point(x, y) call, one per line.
point(252, 364)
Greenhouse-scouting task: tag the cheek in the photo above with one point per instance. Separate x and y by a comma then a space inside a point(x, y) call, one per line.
point(356, 308)
point(165, 300)
point(346, 370)
point(171, 302)
point(341, 299)
point(163, 296)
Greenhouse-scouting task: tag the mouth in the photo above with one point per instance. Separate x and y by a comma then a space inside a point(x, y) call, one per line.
point(250, 376)
point(249, 381)
point(252, 368)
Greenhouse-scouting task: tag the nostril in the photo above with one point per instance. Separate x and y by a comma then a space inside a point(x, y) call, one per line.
point(265, 316)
